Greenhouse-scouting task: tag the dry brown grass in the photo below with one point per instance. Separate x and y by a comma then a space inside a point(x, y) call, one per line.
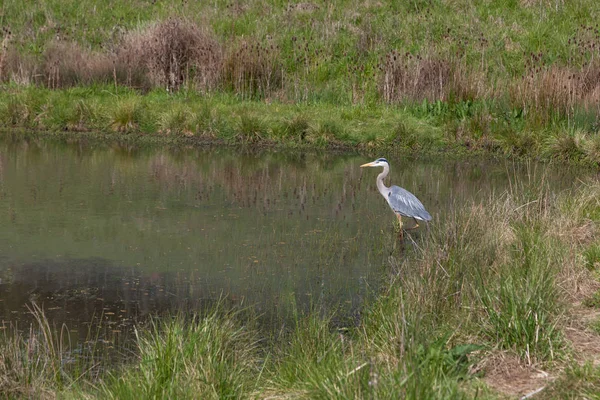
point(253, 68)
point(4, 49)
point(507, 374)
point(556, 89)
point(165, 54)
point(19, 68)
point(171, 53)
point(32, 364)
point(406, 77)
point(67, 64)
point(585, 342)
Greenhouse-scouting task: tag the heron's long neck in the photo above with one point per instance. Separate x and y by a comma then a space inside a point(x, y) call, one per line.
point(382, 188)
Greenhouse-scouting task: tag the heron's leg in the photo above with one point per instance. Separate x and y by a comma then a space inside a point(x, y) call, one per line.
point(400, 231)
point(399, 220)
point(416, 224)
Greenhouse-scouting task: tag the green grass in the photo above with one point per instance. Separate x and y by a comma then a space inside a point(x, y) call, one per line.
point(494, 276)
point(188, 116)
point(512, 77)
point(212, 357)
point(578, 382)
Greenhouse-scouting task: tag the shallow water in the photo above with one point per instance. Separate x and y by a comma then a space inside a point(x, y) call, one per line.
point(111, 234)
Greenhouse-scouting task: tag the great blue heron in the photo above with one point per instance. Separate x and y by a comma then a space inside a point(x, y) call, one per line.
point(402, 202)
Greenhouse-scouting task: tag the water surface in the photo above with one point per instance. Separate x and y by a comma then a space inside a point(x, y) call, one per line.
point(113, 234)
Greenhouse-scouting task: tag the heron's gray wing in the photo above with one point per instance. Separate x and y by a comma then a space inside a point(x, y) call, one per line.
point(405, 203)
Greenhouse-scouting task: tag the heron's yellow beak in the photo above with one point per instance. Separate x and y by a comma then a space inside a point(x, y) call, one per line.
point(370, 164)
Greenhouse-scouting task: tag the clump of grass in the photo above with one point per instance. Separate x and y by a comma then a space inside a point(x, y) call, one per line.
point(296, 128)
point(595, 326)
point(410, 357)
point(202, 121)
point(414, 78)
point(66, 64)
point(592, 257)
point(15, 111)
point(177, 120)
point(125, 115)
point(408, 77)
point(409, 137)
point(592, 150)
point(209, 357)
point(549, 90)
point(566, 145)
point(57, 113)
point(4, 52)
point(163, 54)
point(317, 362)
point(38, 364)
point(250, 129)
point(593, 301)
point(325, 133)
point(577, 382)
point(523, 142)
point(83, 115)
point(523, 308)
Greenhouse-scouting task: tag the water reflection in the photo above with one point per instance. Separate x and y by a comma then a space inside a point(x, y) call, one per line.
point(116, 233)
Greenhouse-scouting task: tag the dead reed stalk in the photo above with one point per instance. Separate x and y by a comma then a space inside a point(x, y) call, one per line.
point(555, 89)
point(407, 77)
point(253, 69)
point(67, 64)
point(4, 52)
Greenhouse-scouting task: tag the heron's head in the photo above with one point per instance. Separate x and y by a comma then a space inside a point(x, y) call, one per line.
point(380, 162)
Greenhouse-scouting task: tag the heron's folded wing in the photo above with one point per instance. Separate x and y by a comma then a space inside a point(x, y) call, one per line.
point(405, 203)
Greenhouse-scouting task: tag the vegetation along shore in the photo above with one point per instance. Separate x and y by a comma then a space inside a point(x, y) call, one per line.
point(499, 298)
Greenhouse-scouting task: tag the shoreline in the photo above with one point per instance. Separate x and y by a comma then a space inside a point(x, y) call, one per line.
point(249, 125)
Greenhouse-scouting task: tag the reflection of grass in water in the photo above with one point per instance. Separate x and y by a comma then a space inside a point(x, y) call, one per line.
point(181, 198)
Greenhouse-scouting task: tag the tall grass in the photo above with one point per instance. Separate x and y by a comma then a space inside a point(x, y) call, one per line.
point(40, 362)
point(210, 357)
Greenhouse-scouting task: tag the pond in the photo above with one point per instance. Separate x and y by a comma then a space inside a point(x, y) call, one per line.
point(108, 234)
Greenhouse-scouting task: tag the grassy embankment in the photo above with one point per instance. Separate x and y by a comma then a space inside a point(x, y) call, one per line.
point(517, 78)
point(490, 298)
point(501, 280)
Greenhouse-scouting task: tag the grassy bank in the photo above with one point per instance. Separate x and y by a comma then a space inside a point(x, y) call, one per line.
point(216, 118)
point(510, 77)
point(501, 296)
point(188, 117)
